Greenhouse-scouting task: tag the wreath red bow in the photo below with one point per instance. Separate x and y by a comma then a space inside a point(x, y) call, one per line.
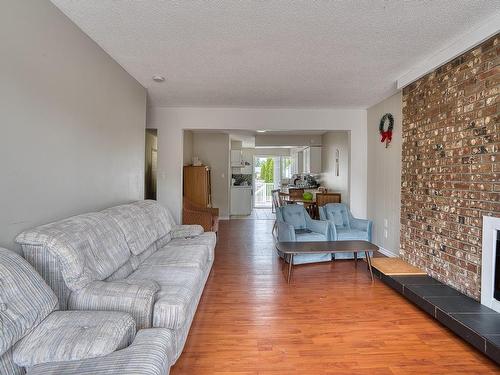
point(386, 134)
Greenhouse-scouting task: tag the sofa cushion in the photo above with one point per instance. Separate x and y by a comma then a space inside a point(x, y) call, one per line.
point(75, 335)
point(160, 216)
point(208, 239)
point(25, 299)
point(180, 256)
point(136, 224)
point(178, 296)
point(88, 247)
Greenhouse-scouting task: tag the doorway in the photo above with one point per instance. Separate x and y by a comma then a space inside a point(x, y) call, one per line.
point(268, 173)
point(151, 164)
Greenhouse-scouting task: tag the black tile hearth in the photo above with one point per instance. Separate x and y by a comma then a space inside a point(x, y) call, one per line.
point(433, 290)
point(494, 339)
point(473, 338)
point(459, 304)
point(416, 280)
point(485, 324)
point(419, 301)
point(467, 318)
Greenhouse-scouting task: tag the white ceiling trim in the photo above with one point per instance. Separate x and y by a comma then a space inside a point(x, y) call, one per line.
point(461, 44)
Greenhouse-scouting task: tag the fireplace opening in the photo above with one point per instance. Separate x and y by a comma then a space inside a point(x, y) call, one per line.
point(496, 291)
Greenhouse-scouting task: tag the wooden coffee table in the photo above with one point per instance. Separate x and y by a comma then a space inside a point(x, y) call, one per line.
point(327, 247)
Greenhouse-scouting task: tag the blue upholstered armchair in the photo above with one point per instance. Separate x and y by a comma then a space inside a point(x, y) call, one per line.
point(295, 225)
point(343, 226)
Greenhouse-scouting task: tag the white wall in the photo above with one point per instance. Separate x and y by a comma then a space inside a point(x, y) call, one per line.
point(384, 175)
point(187, 147)
point(71, 121)
point(171, 122)
point(276, 140)
point(213, 150)
point(332, 141)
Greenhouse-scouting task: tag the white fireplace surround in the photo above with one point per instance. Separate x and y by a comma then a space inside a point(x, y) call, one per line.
point(491, 226)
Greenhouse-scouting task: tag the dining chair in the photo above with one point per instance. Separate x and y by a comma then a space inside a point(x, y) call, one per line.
point(277, 202)
point(275, 195)
point(322, 190)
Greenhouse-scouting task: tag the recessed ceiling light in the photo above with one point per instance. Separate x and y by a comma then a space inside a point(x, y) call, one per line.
point(261, 131)
point(158, 78)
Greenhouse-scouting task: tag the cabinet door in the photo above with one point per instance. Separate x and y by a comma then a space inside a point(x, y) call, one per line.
point(236, 158)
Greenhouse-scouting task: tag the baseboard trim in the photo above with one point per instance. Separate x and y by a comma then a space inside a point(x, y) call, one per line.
point(223, 217)
point(386, 252)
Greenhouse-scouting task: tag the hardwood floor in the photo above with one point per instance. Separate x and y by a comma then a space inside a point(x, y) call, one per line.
point(330, 320)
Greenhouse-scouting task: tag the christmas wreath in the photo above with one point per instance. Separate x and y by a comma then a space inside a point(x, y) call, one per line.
point(386, 134)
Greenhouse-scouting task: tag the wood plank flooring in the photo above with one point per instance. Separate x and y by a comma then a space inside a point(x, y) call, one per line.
point(330, 320)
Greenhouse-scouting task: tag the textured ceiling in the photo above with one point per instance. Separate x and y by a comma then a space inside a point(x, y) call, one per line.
point(273, 53)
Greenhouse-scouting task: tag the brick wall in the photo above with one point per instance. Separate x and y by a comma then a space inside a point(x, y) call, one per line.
point(450, 166)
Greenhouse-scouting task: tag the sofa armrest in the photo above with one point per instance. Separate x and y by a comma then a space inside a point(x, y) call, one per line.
point(332, 235)
point(286, 232)
point(361, 224)
point(317, 226)
point(151, 353)
point(137, 299)
point(186, 230)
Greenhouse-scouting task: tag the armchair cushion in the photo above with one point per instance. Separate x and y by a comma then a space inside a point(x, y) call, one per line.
point(75, 335)
point(151, 353)
point(25, 299)
point(77, 243)
point(135, 298)
point(338, 214)
point(310, 237)
point(351, 234)
point(295, 215)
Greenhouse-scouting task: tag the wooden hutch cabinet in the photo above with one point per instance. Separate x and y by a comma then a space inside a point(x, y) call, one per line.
point(197, 185)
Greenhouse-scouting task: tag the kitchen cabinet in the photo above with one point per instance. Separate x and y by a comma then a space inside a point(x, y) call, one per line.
point(312, 160)
point(236, 159)
point(241, 200)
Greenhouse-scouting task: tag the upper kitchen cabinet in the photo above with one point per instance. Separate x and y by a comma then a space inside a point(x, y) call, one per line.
point(236, 159)
point(312, 160)
point(243, 160)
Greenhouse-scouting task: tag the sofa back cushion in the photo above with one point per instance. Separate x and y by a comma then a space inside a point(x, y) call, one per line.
point(294, 214)
point(338, 214)
point(25, 299)
point(136, 224)
point(88, 247)
point(160, 216)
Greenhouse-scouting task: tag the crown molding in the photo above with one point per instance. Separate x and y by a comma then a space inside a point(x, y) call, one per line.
point(460, 45)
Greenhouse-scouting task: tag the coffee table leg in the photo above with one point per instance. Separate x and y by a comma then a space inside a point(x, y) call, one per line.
point(368, 260)
point(355, 258)
point(290, 264)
